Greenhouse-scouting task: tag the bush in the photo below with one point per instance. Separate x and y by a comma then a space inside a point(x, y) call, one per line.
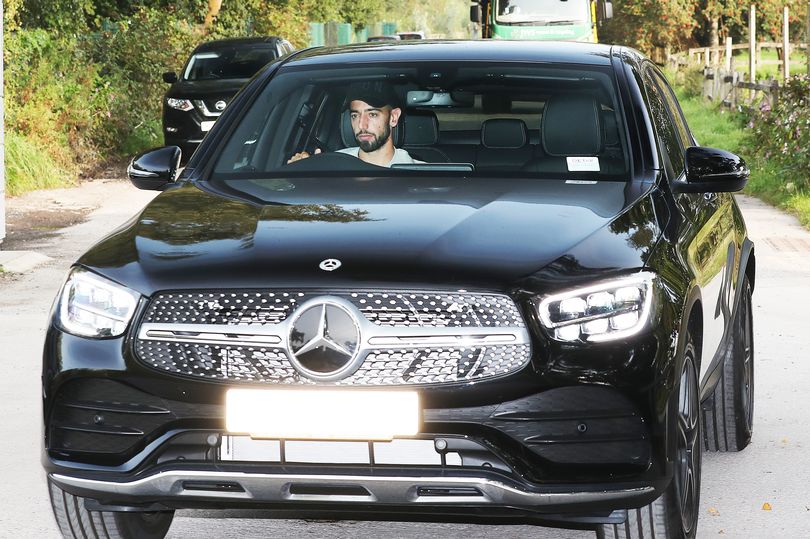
point(77, 100)
point(782, 134)
point(131, 55)
point(48, 100)
point(688, 80)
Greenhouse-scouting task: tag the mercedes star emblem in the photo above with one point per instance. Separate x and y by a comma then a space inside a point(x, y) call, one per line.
point(324, 339)
point(330, 264)
point(220, 105)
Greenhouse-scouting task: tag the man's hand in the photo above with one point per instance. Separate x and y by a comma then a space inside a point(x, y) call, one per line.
point(301, 155)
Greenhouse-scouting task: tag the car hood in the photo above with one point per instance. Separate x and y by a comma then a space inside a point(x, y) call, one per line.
point(206, 88)
point(426, 233)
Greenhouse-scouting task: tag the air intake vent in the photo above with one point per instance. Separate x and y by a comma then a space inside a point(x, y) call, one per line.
point(447, 492)
point(328, 490)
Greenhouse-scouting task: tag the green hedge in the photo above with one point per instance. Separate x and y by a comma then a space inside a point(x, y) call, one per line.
point(80, 99)
point(781, 135)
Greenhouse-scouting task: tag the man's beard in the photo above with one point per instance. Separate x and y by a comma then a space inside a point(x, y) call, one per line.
point(375, 143)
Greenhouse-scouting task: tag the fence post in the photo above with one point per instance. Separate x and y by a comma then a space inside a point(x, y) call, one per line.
point(786, 43)
point(807, 40)
point(330, 34)
point(735, 78)
point(729, 52)
point(752, 44)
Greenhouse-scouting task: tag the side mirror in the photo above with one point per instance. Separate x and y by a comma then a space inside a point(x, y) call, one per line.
point(155, 169)
point(709, 170)
point(475, 12)
point(170, 77)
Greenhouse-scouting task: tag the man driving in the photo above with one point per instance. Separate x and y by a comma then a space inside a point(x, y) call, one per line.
point(374, 111)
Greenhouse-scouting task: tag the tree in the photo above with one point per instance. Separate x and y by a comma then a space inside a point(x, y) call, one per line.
point(715, 12)
point(647, 24)
point(213, 10)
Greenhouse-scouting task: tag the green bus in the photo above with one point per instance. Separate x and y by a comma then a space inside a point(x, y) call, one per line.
point(561, 20)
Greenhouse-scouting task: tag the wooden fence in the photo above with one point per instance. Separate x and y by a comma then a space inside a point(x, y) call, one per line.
point(733, 91)
point(733, 88)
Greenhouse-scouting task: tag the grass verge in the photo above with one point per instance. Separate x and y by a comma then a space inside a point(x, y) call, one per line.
point(30, 167)
point(717, 127)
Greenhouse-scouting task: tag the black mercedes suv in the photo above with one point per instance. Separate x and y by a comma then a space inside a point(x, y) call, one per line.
point(212, 75)
point(435, 280)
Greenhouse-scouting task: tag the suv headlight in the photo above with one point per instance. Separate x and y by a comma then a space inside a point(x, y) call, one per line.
point(179, 104)
point(604, 312)
point(92, 306)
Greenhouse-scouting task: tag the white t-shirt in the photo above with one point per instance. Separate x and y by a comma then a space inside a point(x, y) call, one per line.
point(401, 157)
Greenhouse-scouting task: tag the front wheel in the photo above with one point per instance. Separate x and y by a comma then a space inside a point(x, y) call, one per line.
point(674, 515)
point(76, 522)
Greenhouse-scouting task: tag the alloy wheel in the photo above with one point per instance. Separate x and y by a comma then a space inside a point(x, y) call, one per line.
point(687, 473)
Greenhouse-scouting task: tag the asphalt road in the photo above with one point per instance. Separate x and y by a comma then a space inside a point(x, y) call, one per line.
point(761, 492)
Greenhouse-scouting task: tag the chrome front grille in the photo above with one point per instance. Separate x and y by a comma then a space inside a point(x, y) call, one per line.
point(408, 338)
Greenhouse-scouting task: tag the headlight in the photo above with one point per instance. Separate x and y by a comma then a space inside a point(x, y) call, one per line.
point(604, 312)
point(92, 306)
point(179, 104)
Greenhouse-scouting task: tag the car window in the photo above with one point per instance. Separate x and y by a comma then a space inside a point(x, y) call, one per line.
point(233, 63)
point(666, 132)
point(529, 120)
point(675, 109)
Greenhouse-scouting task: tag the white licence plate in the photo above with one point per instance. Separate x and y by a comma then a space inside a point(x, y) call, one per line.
point(314, 414)
point(207, 125)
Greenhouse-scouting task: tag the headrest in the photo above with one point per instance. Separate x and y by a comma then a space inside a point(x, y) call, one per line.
point(347, 133)
point(610, 128)
point(571, 125)
point(501, 133)
point(421, 128)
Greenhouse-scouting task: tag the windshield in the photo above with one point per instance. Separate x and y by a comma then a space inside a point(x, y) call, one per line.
point(228, 63)
point(543, 11)
point(466, 119)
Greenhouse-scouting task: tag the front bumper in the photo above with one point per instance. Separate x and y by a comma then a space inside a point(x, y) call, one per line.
point(201, 488)
point(577, 450)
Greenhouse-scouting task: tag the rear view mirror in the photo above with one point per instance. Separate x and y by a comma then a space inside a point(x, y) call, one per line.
point(427, 98)
point(155, 169)
point(170, 77)
point(709, 170)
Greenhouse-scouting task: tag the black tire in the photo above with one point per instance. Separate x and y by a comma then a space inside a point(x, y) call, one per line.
point(674, 515)
point(76, 522)
point(728, 413)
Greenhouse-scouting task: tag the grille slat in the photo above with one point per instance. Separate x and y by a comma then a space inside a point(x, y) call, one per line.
point(397, 309)
point(468, 336)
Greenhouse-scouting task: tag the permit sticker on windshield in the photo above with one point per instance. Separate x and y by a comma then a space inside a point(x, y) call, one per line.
point(583, 164)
